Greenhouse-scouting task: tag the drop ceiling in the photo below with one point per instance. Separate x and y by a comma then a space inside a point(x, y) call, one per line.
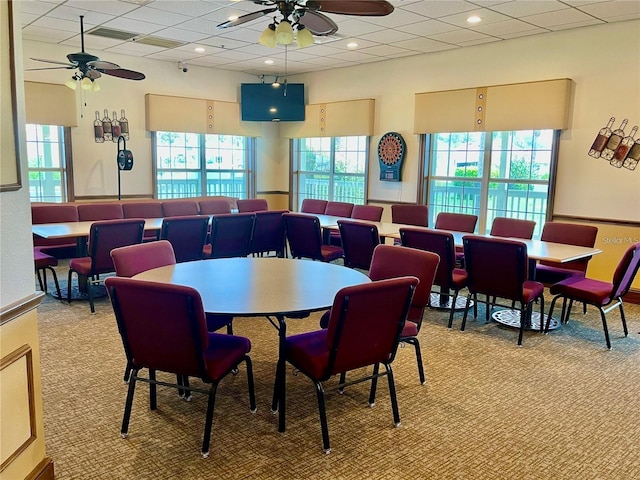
point(171, 30)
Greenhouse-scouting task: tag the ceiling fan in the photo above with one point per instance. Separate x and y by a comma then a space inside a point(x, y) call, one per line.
point(307, 16)
point(89, 67)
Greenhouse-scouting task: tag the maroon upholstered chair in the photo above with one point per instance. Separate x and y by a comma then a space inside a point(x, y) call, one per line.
point(163, 328)
point(231, 235)
point(498, 267)
point(372, 213)
point(448, 276)
point(248, 205)
point(188, 236)
point(92, 212)
point(512, 227)
point(359, 239)
point(103, 237)
point(457, 222)
point(410, 214)
point(339, 209)
point(54, 213)
point(144, 210)
point(305, 238)
point(604, 295)
point(570, 234)
point(43, 262)
point(313, 205)
point(176, 208)
point(268, 233)
point(214, 206)
point(364, 329)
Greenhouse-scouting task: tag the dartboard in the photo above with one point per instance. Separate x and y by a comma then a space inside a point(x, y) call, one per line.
point(391, 151)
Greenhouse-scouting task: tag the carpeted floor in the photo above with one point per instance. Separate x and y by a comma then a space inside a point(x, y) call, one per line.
point(560, 407)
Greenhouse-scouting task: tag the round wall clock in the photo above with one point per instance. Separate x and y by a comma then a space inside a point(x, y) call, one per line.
point(391, 152)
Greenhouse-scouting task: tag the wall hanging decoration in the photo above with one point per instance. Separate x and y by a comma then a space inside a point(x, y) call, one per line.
point(391, 152)
point(618, 149)
point(110, 129)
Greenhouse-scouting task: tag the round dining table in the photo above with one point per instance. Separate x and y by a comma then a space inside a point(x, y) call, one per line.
point(259, 286)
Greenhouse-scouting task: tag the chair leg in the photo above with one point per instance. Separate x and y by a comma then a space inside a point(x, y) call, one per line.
point(43, 285)
point(90, 293)
point(343, 378)
point(209, 420)
point(252, 390)
point(55, 281)
point(487, 311)
point(623, 318)
point(541, 312)
point(525, 316)
point(466, 311)
point(153, 399)
point(127, 372)
point(453, 306)
point(604, 327)
point(392, 394)
point(566, 318)
point(374, 385)
point(230, 328)
point(69, 278)
point(323, 417)
point(414, 341)
point(124, 431)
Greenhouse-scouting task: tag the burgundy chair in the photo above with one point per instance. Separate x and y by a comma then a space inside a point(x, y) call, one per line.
point(92, 212)
point(339, 209)
point(54, 213)
point(305, 238)
point(364, 329)
point(268, 233)
point(570, 234)
point(43, 262)
point(410, 214)
point(498, 268)
point(144, 210)
point(231, 235)
point(188, 236)
point(313, 205)
point(457, 222)
point(512, 227)
point(604, 295)
point(372, 213)
point(103, 237)
point(248, 205)
point(448, 276)
point(359, 239)
point(176, 208)
point(213, 206)
point(163, 328)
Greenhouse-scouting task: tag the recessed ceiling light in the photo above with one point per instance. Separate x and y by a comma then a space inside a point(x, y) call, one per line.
point(199, 49)
point(352, 45)
point(269, 62)
point(474, 19)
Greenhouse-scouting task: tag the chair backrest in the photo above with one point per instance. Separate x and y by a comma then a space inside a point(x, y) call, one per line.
point(458, 222)
point(365, 323)
point(438, 242)
point(252, 205)
point(313, 205)
point(626, 271)
point(162, 325)
point(512, 227)
point(339, 209)
point(495, 266)
point(142, 210)
point(268, 232)
point(213, 205)
point(304, 235)
point(53, 213)
point(570, 234)
point(91, 212)
point(133, 259)
point(391, 261)
point(109, 234)
point(372, 213)
point(231, 234)
point(175, 208)
point(410, 214)
point(187, 235)
point(359, 239)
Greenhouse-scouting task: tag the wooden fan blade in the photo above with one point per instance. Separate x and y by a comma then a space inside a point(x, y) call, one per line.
point(318, 24)
point(93, 74)
point(102, 65)
point(247, 18)
point(124, 73)
point(368, 8)
point(69, 65)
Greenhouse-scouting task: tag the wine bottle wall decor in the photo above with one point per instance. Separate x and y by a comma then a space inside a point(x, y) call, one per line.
point(617, 147)
point(106, 129)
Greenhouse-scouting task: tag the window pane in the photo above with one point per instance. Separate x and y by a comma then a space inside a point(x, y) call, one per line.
point(46, 163)
point(348, 188)
point(313, 185)
point(315, 155)
point(175, 184)
point(518, 200)
point(457, 196)
point(232, 184)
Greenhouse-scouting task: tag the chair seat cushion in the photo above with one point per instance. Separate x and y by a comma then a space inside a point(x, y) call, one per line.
point(331, 252)
point(531, 290)
point(549, 275)
point(410, 329)
point(43, 260)
point(459, 277)
point(81, 265)
point(584, 289)
point(309, 352)
point(224, 353)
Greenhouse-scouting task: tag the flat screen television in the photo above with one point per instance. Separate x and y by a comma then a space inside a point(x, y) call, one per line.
point(263, 102)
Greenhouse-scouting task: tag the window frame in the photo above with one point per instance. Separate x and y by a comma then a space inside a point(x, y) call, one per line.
point(66, 165)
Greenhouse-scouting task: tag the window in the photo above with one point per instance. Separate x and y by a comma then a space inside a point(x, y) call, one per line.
point(330, 168)
point(46, 158)
point(491, 174)
point(193, 165)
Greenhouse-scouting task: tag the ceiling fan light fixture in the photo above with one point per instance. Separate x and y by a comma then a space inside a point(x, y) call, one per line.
point(72, 83)
point(95, 87)
point(284, 33)
point(304, 36)
point(268, 37)
point(85, 83)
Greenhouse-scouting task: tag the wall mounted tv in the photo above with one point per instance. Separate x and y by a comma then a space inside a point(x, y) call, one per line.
point(263, 102)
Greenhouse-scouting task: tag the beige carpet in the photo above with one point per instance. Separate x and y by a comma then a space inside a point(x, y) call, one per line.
point(560, 407)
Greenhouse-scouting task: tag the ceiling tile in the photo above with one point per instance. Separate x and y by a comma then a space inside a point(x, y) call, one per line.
point(437, 9)
point(524, 8)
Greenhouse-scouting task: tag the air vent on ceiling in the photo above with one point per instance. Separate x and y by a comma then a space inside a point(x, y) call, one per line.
point(158, 42)
point(111, 33)
point(323, 40)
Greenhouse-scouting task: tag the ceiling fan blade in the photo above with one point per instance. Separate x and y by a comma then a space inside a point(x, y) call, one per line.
point(368, 8)
point(102, 65)
point(124, 73)
point(92, 74)
point(247, 18)
point(69, 65)
point(318, 24)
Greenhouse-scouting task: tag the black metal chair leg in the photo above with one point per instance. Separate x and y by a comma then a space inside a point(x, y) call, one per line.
point(323, 418)
point(416, 344)
point(153, 399)
point(623, 318)
point(124, 431)
point(454, 298)
point(466, 311)
point(374, 385)
point(252, 390)
point(209, 420)
point(392, 394)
